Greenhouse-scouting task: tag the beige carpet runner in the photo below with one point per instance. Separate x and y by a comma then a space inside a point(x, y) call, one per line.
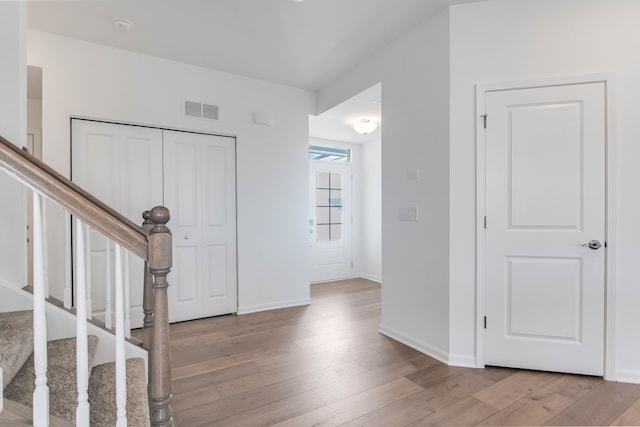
point(16, 360)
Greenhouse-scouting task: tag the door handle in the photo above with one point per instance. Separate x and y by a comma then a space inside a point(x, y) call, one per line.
point(593, 244)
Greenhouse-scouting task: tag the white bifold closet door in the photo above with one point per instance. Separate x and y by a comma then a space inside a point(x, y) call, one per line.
point(199, 191)
point(134, 168)
point(122, 166)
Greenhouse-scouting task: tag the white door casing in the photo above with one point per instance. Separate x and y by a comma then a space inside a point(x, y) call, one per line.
point(545, 197)
point(330, 257)
point(200, 193)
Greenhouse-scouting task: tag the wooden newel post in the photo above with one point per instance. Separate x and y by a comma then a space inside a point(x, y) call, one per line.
point(147, 295)
point(160, 265)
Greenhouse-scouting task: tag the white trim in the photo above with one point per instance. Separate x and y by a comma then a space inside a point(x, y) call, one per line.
point(273, 306)
point(462, 361)
point(339, 279)
point(416, 344)
point(627, 376)
point(376, 279)
point(611, 218)
point(608, 79)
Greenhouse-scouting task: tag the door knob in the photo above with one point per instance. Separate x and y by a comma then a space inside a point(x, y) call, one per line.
point(593, 244)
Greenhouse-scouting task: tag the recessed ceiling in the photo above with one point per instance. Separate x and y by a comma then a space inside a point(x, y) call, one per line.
point(303, 44)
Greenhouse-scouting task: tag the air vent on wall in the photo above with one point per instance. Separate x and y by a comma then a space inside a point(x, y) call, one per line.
point(205, 111)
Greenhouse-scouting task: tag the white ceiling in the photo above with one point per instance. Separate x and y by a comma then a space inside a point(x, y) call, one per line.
point(337, 123)
point(303, 44)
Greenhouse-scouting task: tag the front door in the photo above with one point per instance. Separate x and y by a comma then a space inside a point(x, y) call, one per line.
point(330, 221)
point(545, 228)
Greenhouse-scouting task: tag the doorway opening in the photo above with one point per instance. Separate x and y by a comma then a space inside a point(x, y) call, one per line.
point(34, 146)
point(345, 177)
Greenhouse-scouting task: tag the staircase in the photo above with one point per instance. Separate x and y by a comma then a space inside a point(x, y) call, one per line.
point(16, 354)
point(52, 358)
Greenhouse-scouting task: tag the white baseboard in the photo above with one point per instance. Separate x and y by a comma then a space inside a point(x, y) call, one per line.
point(628, 376)
point(355, 276)
point(462, 361)
point(272, 306)
point(376, 279)
point(422, 347)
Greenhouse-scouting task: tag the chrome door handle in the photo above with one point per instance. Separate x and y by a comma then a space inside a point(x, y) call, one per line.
point(593, 244)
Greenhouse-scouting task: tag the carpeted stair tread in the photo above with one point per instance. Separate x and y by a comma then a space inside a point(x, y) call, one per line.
point(16, 342)
point(102, 394)
point(61, 378)
point(15, 415)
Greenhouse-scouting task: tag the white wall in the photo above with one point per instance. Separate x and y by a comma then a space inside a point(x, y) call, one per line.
point(89, 80)
point(13, 126)
point(503, 40)
point(495, 40)
point(369, 264)
point(414, 72)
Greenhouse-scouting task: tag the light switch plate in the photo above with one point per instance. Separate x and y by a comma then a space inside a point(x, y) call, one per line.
point(408, 214)
point(413, 174)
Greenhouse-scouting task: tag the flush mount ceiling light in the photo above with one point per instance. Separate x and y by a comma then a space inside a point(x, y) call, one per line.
point(365, 126)
point(122, 24)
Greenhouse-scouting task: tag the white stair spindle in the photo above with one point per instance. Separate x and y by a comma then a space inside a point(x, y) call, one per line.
point(87, 260)
point(82, 363)
point(107, 310)
point(127, 296)
point(45, 245)
point(41, 392)
point(121, 363)
point(68, 256)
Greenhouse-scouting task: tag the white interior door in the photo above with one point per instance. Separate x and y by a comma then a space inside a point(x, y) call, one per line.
point(122, 166)
point(545, 199)
point(200, 193)
point(330, 221)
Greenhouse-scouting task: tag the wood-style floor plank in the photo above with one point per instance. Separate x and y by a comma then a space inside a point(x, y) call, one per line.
point(513, 388)
point(326, 364)
point(534, 409)
point(630, 416)
point(466, 412)
point(601, 406)
point(353, 407)
point(455, 390)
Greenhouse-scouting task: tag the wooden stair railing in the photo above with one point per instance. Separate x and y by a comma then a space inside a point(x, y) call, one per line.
point(152, 242)
point(47, 181)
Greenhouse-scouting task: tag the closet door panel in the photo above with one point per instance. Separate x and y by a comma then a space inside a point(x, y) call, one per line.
point(200, 193)
point(122, 166)
point(181, 197)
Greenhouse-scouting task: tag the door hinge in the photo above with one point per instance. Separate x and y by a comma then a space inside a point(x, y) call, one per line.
point(352, 265)
point(484, 120)
point(485, 222)
point(485, 322)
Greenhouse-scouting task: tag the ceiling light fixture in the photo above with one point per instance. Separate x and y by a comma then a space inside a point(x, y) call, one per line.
point(365, 126)
point(122, 24)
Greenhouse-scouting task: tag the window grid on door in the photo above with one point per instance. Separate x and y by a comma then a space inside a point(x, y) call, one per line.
point(329, 206)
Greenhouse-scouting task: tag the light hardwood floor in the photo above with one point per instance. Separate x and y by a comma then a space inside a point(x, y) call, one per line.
point(326, 364)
